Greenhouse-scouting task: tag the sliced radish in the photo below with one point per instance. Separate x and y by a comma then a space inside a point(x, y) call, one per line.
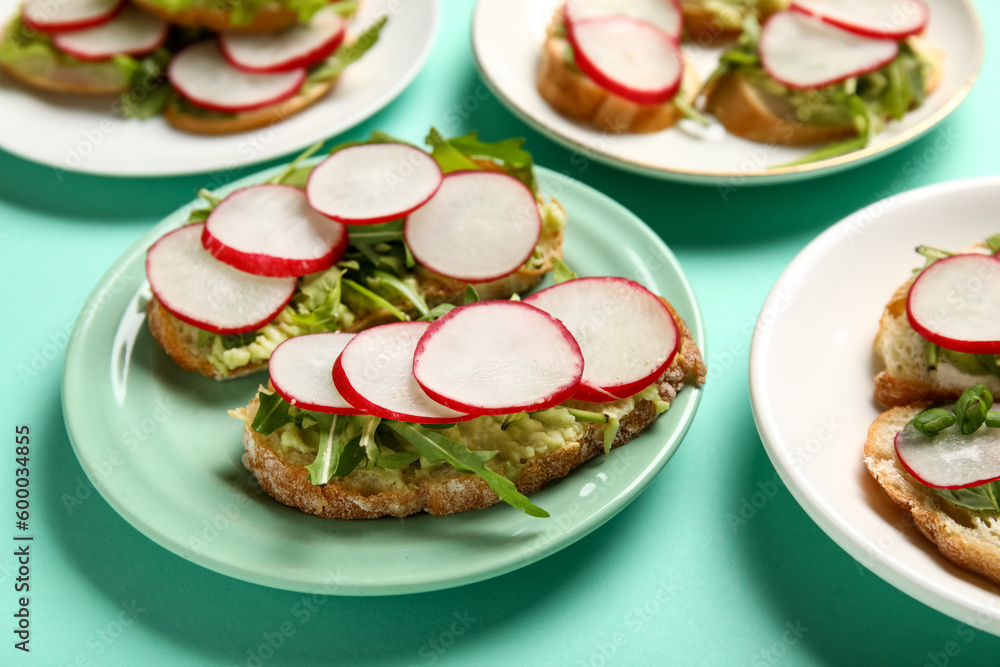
point(373, 183)
point(664, 14)
point(628, 57)
point(627, 335)
point(498, 357)
point(803, 52)
point(201, 290)
point(60, 15)
point(132, 32)
point(201, 74)
point(950, 460)
point(480, 226)
point(375, 374)
point(301, 45)
point(270, 230)
point(890, 19)
point(300, 372)
point(955, 303)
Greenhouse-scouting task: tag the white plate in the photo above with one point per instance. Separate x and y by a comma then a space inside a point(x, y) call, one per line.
point(74, 133)
point(811, 370)
point(507, 36)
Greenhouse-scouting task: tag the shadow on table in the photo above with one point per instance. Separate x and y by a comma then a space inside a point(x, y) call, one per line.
point(224, 620)
point(844, 613)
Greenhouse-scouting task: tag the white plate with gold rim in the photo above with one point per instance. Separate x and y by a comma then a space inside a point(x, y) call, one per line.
point(507, 37)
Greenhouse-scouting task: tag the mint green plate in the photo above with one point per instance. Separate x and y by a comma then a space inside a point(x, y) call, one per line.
point(158, 445)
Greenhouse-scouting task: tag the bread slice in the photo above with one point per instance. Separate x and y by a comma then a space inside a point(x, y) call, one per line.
point(906, 379)
point(445, 491)
point(968, 538)
point(39, 71)
point(180, 339)
point(575, 96)
point(248, 120)
point(270, 18)
point(753, 114)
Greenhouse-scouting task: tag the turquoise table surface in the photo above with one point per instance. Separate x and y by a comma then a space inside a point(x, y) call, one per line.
point(673, 579)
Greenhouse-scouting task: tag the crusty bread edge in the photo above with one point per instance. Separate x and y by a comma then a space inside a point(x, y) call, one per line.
point(456, 492)
point(577, 97)
point(249, 120)
point(57, 86)
point(740, 107)
point(958, 541)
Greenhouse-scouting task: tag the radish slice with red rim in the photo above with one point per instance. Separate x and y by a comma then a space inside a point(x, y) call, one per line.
point(60, 15)
point(301, 45)
point(498, 357)
point(132, 32)
point(889, 19)
point(804, 53)
point(950, 460)
point(955, 303)
point(270, 230)
point(201, 290)
point(300, 372)
point(628, 57)
point(373, 183)
point(664, 14)
point(202, 75)
point(480, 226)
point(626, 333)
point(375, 374)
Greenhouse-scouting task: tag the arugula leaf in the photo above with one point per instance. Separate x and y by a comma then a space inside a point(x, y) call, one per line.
point(994, 243)
point(861, 117)
point(347, 55)
point(382, 278)
point(375, 298)
point(328, 456)
point(435, 447)
point(448, 157)
point(437, 311)
point(289, 173)
point(509, 152)
point(979, 498)
point(470, 296)
point(229, 341)
point(561, 272)
point(271, 415)
point(351, 455)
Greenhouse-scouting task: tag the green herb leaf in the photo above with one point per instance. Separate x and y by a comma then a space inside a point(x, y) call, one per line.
point(376, 299)
point(470, 296)
point(981, 498)
point(328, 457)
point(971, 408)
point(397, 460)
point(437, 311)
point(350, 457)
point(271, 415)
point(510, 153)
point(407, 292)
point(229, 341)
point(561, 272)
point(931, 422)
point(994, 243)
point(448, 157)
point(347, 55)
point(435, 447)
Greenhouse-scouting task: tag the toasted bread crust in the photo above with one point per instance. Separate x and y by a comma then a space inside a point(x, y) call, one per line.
point(249, 120)
point(180, 340)
point(968, 538)
point(906, 379)
point(575, 96)
point(61, 79)
point(447, 491)
point(747, 112)
point(270, 18)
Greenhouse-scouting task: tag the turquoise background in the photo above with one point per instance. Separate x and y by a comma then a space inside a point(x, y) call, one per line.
point(672, 579)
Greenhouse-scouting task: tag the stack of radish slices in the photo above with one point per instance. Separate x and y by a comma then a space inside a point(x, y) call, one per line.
point(589, 338)
point(235, 272)
point(818, 43)
point(246, 71)
point(93, 30)
point(631, 49)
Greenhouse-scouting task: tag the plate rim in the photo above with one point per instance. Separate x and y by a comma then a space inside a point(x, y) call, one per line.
point(769, 176)
point(126, 171)
point(590, 522)
point(823, 513)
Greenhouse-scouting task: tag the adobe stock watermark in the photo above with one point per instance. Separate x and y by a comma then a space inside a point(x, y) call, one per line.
point(776, 651)
point(101, 640)
point(607, 647)
point(453, 629)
